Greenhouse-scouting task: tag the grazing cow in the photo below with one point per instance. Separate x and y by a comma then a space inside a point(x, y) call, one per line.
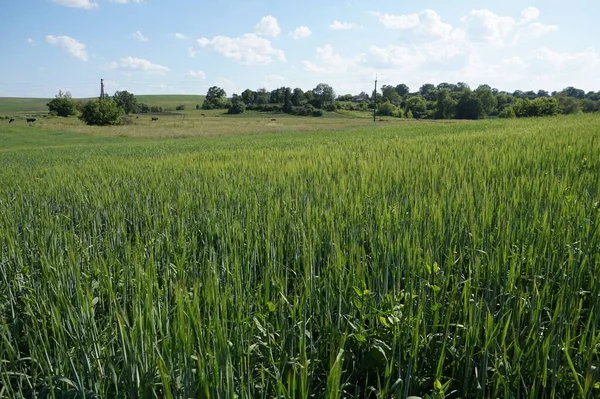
point(203, 114)
point(273, 119)
point(31, 120)
point(11, 120)
point(154, 118)
point(137, 117)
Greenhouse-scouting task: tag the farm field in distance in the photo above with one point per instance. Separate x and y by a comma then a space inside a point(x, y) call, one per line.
point(214, 256)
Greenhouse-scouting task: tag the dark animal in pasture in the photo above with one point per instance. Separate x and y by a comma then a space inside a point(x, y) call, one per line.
point(154, 118)
point(203, 114)
point(11, 120)
point(273, 119)
point(31, 120)
point(137, 117)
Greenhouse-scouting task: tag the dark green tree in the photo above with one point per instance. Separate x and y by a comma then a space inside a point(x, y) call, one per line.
point(445, 105)
point(323, 94)
point(287, 101)
point(417, 106)
point(126, 101)
point(389, 93)
point(297, 96)
point(215, 98)
point(248, 96)
point(402, 90)
point(486, 96)
point(101, 113)
point(62, 105)
point(469, 106)
point(237, 105)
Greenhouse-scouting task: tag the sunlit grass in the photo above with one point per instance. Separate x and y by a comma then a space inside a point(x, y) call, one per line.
point(373, 262)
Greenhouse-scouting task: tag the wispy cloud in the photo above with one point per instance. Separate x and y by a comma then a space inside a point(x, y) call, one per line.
point(30, 41)
point(180, 36)
point(71, 46)
point(337, 25)
point(85, 4)
point(138, 64)
point(197, 74)
point(139, 36)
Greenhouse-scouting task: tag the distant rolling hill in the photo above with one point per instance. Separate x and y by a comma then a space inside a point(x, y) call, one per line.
point(16, 105)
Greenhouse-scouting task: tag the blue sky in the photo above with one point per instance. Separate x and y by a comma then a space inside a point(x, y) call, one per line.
point(186, 46)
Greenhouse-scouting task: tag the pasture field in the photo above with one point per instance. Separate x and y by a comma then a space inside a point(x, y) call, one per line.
point(323, 260)
point(15, 106)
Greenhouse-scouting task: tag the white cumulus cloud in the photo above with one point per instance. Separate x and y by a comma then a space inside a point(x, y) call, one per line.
point(71, 46)
point(530, 14)
point(138, 64)
point(488, 26)
point(180, 36)
point(268, 26)
point(249, 49)
point(300, 32)
point(85, 4)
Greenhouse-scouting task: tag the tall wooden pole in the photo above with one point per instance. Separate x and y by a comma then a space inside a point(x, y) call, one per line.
point(375, 100)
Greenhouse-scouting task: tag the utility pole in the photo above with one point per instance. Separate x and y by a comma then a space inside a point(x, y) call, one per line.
point(375, 100)
point(101, 89)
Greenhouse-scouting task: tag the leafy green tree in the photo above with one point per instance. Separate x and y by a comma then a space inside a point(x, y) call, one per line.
point(402, 90)
point(262, 97)
point(101, 113)
point(62, 105)
point(427, 91)
point(569, 104)
point(237, 105)
point(486, 96)
point(389, 93)
point(215, 98)
point(461, 86)
point(573, 92)
point(387, 109)
point(445, 105)
point(126, 101)
point(248, 96)
point(417, 106)
point(322, 94)
point(287, 101)
point(297, 96)
point(469, 106)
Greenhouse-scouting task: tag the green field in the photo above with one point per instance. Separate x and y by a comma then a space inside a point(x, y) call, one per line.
point(14, 106)
point(239, 257)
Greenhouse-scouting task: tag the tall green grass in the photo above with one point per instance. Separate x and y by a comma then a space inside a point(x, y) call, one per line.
point(457, 259)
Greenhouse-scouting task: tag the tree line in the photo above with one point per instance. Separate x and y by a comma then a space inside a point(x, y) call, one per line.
point(444, 101)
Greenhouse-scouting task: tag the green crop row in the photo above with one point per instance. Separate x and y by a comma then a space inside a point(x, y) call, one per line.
point(458, 260)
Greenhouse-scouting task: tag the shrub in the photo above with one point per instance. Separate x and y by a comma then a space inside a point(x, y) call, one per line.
point(63, 106)
point(330, 107)
point(101, 113)
point(387, 109)
point(180, 107)
point(507, 112)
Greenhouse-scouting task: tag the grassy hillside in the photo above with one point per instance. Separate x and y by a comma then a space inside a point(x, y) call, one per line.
point(14, 105)
point(10, 106)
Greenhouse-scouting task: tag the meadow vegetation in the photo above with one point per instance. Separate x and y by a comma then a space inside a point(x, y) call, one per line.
point(313, 257)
